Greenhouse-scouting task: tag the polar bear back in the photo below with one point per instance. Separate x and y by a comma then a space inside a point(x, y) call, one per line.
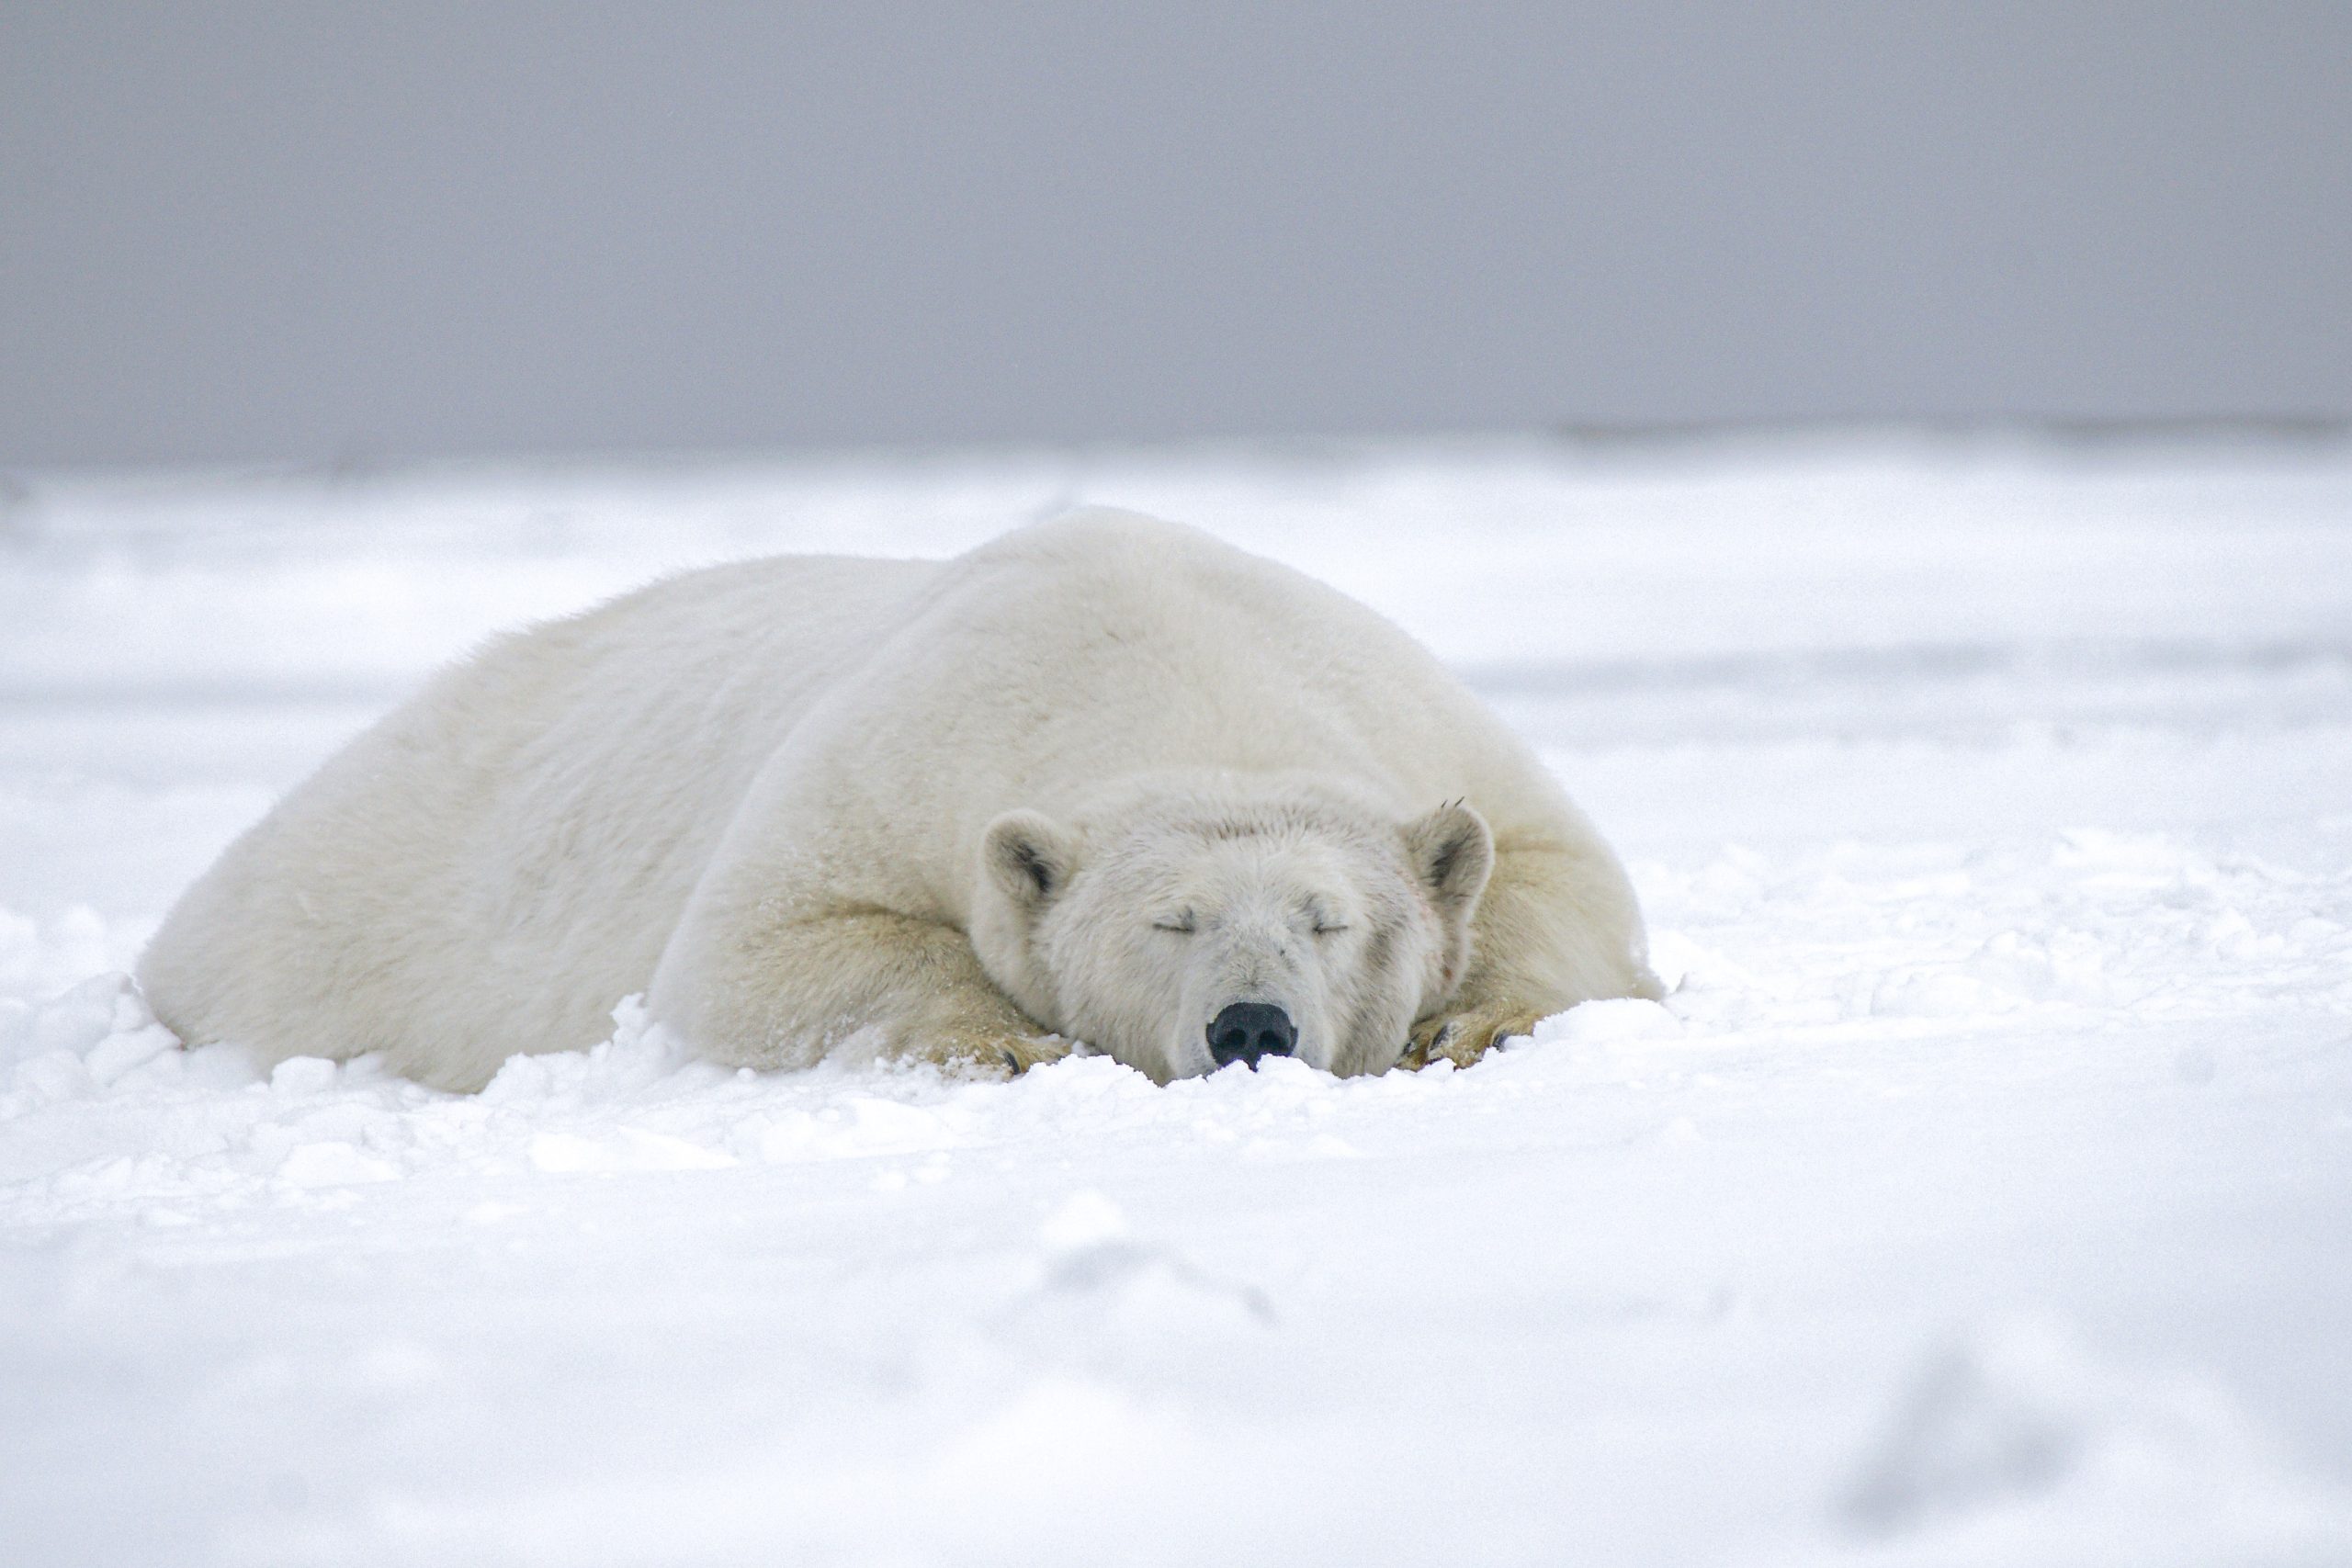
point(496, 863)
point(1104, 645)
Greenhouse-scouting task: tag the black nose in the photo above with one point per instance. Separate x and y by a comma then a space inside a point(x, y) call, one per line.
point(1247, 1031)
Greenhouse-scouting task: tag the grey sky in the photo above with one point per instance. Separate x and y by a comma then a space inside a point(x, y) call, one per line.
point(233, 232)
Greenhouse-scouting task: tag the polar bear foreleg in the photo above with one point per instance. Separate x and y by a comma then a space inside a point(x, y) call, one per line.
point(787, 996)
point(1553, 928)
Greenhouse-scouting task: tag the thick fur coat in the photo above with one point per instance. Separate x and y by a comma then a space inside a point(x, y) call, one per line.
point(1103, 779)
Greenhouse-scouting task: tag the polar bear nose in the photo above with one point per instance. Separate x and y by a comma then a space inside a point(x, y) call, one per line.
point(1247, 1031)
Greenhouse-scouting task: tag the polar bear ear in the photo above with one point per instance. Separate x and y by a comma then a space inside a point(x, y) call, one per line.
point(1029, 856)
point(1454, 852)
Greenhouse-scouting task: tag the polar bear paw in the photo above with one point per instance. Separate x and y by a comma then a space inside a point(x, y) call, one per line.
point(1463, 1037)
point(1021, 1052)
point(999, 1055)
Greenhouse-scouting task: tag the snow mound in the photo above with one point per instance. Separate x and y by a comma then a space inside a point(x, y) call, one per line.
point(217, 1135)
point(2017, 1448)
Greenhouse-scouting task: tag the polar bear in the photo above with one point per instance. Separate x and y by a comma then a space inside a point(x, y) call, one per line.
point(1103, 780)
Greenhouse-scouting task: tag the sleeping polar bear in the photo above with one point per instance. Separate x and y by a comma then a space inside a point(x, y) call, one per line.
point(1103, 780)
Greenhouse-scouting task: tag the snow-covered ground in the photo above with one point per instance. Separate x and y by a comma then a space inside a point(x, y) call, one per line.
point(1982, 1195)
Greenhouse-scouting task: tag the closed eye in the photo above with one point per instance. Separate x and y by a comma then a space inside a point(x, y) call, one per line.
point(1322, 929)
point(1180, 924)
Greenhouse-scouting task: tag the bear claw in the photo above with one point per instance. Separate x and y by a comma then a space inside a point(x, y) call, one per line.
point(1020, 1056)
point(1466, 1037)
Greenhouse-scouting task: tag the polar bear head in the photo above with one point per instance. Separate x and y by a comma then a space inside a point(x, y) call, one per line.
point(1182, 928)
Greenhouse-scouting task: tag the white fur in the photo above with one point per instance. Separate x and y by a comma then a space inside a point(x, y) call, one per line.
point(958, 801)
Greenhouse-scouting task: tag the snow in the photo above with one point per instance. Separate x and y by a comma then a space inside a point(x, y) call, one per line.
point(1982, 1194)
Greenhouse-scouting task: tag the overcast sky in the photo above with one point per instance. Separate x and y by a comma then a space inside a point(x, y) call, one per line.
point(241, 231)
